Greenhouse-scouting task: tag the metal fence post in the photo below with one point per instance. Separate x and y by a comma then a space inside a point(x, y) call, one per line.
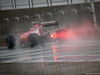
point(17, 20)
point(47, 3)
point(87, 8)
point(12, 4)
point(32, 2)
point(75, 11)
point(15, 4)
point(87, 16)
point(6, 19)
point(71, 1)
point(62, 12)
point(38, 15)
point(67, 1)
point(50, 2)
point(23, 21)
point(93, 13)
point(49, 13)
point(29, 3)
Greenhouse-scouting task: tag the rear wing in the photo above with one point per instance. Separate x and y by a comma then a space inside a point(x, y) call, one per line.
point(50, 23)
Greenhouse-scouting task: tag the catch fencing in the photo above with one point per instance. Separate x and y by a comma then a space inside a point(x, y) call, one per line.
point(64, 19)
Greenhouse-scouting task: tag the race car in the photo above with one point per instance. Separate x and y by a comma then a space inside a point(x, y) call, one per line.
point(38, 34)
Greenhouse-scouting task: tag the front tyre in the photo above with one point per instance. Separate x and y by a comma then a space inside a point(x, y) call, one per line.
point(10, 41)
point(33, 39)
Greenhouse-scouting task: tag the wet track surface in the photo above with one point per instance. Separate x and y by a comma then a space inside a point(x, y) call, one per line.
point(73, 51)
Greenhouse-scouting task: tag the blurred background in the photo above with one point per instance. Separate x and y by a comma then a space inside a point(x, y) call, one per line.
point(79, 16)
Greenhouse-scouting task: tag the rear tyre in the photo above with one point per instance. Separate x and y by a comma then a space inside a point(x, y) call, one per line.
point(10, 41)
point(33, 39)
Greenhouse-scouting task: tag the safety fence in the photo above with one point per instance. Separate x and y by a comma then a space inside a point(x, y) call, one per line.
point(72, 18)
point(19, 4)
point(65, 19)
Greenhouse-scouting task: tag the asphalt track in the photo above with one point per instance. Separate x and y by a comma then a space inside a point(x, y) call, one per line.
point(70, 51)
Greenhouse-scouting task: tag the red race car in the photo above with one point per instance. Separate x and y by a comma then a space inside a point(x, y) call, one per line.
point(39, 33)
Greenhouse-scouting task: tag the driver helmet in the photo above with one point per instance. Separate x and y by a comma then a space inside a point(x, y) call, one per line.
point(36, 26)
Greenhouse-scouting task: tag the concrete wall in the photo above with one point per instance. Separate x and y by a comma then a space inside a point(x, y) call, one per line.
point(50, 68)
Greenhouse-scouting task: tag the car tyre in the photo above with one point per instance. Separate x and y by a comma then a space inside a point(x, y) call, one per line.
point(33, 39)
point(10, 41)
